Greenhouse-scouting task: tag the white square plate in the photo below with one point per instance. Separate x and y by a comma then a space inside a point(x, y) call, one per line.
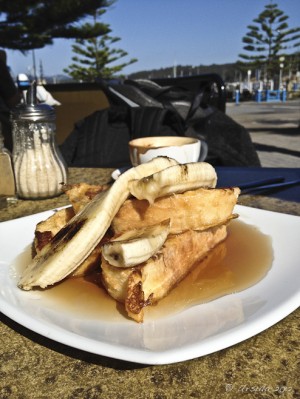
point(194, 332)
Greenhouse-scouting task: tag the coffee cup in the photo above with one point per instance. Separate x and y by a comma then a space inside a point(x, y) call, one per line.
point(182, 149)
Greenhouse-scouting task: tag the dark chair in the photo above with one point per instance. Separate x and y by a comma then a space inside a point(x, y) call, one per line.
point(211, 84)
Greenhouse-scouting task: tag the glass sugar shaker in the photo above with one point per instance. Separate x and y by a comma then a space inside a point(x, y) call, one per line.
point(39, 167)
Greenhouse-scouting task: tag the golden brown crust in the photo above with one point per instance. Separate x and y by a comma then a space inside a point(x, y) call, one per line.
point(193, 210)
point(46, 229)
point(161, 273)
point(91, 263)
point(79, 195)
point(82, 193)
point(135, 299)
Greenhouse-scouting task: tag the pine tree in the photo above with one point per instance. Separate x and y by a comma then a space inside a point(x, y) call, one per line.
point(32, 24)
point(268, 39)
point(96, 58)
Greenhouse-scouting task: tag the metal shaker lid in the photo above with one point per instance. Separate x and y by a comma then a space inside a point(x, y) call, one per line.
point(31, 109)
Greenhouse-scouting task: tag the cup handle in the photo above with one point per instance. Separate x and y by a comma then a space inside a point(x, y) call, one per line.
point(203, 151)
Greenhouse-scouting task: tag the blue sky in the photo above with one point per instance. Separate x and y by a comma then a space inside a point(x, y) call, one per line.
point(161, 33)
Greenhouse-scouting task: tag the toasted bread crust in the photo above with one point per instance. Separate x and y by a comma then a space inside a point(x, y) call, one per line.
point(47, 229)
point(193, 210)
point(148, 283)
point(82, 193)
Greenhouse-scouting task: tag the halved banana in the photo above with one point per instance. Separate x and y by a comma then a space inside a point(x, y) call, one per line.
point(136, 246)
point(174, 179)
point(74, 242)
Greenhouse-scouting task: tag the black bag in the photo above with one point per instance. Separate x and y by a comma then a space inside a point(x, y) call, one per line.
point(99, 140)
point(142, 108)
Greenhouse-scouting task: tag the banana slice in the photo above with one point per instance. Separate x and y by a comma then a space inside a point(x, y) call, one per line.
point(175, 179)
point(136, 246)
point(74, 242)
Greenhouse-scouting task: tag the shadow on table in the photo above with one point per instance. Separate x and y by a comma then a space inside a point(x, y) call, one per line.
point(280, 130)
point(69, 351)
point(274, 148)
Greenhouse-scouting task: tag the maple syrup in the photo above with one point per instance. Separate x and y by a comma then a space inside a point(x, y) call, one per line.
point(241, 261)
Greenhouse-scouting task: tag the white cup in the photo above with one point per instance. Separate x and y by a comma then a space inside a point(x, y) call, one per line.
point(182, 149)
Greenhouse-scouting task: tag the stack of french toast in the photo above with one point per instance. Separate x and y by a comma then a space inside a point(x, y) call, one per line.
point(144, 233)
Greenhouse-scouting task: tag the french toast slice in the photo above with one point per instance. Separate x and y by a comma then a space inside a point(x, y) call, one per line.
point(146, 284)
point(80, 194)
point(197, 209)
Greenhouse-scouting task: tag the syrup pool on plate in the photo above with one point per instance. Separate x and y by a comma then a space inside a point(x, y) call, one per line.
point(239, 262)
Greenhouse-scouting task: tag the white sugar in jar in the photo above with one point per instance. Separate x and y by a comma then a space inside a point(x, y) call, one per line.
point(39, 167)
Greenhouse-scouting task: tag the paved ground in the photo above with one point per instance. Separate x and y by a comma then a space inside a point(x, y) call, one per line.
point(274, 129)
